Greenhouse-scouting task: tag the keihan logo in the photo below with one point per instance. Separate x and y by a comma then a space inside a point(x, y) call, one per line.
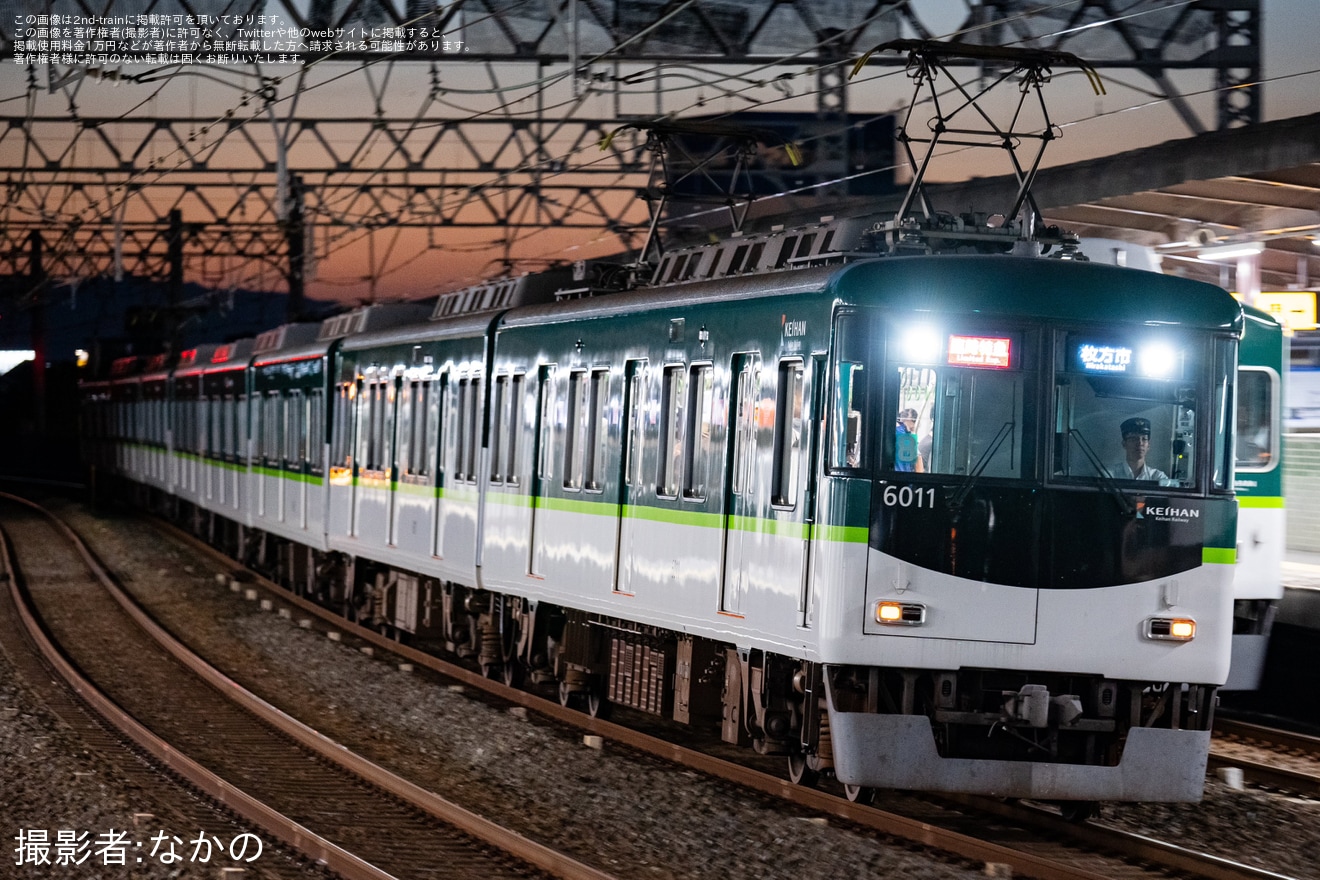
point(794, 328)
point(1173, 512)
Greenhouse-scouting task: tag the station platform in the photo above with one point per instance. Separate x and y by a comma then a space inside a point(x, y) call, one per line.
point(1301, 594)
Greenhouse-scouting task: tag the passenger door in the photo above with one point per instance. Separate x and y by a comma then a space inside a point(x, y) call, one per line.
point(542, 463)
point(630, 465)
point(741, 501)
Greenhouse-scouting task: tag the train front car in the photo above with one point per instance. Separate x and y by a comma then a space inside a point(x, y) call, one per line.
point(1040, 453)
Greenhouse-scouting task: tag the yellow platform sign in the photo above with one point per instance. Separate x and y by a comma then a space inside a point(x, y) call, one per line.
point(1294, 309)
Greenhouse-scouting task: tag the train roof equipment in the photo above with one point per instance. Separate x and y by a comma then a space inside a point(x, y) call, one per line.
point(916, 227)
point(928, 63)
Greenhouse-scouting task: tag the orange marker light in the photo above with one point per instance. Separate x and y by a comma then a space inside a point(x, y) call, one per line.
point(1171, 629)
point(900, 613)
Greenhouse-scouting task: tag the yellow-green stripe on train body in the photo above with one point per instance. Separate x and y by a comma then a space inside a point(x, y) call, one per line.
point(720, 460)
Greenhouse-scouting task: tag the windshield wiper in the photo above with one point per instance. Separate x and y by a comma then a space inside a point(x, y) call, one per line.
point(1102, 473)
point(970, 481)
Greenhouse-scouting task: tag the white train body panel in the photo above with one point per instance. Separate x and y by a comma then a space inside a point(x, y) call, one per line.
point(1000, 627)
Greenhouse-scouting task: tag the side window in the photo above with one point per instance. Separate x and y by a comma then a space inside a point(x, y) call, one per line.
point(789, 424)
point(314, 447)
point(1257, 404)
point(415, 409)
point(373, 460)
point(203, 406)
point(182, 439)
point(464, 431)
point(472, 427)
point(546, 421)
point(241, 427)
point(849, 399)
point(498, 425)
point(748, 381)
point(575, 429)
point(295, 429)
point(387, 395)
point(697, 443)
point(271, 426)
point(376, 425)
point(341, 438)
point(437, 416)
point(597, 430)
point(230, 415)
point(671, 432)
point(216, 405)
point(636, 415)
point(514, 430)
point(362, 423)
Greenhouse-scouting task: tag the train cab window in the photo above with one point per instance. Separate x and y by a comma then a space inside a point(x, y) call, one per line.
point(1257, 401)
point(788, 434)
point(672, 398)
point(958, 406)
point(1125, 409)
point(697, 439)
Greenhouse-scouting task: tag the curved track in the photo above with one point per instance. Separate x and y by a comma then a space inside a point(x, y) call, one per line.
point(268, 768)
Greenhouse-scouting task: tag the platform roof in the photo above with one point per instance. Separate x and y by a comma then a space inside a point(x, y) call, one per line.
point(1258, 184)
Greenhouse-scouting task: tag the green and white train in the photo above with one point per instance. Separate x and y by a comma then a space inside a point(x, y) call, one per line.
point(698, 498)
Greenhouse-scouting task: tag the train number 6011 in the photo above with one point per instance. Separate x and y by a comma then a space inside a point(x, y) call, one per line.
point(908, 496)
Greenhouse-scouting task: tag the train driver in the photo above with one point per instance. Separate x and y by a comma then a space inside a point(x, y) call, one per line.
point(1136, 443)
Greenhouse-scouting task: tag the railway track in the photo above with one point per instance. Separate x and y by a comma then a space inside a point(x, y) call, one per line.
point(277, 775)
point(1023, 842)
point(1268, 756)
